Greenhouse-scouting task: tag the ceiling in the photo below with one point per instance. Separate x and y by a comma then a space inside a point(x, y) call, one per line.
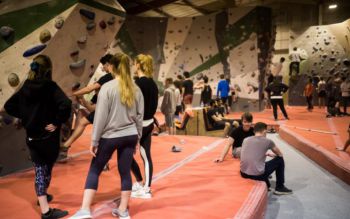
point(173, 8)
point(189, 8)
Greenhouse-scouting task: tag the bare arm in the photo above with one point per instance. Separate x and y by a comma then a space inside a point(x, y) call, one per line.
point(216, 118)
point(277, 151)
point(91, 107)
point(87, 89)
point(225, 151)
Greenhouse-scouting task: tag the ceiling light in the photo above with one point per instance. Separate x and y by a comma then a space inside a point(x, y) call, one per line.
point(333, 6)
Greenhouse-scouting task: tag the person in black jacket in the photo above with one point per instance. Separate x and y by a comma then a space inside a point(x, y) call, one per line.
point(206, 92)
point(276, 89)
point(43, 107)
point(149, 89)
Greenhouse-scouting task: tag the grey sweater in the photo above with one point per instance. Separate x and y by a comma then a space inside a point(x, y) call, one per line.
point(112, 118)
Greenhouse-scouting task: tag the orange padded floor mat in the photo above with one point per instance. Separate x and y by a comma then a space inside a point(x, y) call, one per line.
point(186, 184)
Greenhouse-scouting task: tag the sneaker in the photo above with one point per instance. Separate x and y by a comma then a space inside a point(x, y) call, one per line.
point(49, 199)
point(142, 193)
point(136, 186)
point(117, 213)
point(282, 191)
point(81, 214)
point(54, 213)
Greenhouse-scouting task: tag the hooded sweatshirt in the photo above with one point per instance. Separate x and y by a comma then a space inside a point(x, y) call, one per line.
point(276, 90)
point(39, 103)
point(169, 101)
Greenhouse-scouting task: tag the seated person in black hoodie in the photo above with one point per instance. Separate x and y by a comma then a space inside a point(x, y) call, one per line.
point(216, 120)
point(275, 90)
point(43, 107)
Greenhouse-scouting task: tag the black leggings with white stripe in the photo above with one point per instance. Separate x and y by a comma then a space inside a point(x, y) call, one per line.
point(125, 147)
point(145, 150)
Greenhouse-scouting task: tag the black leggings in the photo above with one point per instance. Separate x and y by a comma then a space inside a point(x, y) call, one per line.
point(145, 151)
point(309, 102)
point(42, 178)
point(279, 102)
point(125, 148)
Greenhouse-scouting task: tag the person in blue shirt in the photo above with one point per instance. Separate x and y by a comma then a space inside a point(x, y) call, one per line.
point(223, 90)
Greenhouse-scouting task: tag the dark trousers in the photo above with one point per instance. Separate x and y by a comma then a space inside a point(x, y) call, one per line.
point(345, 101)
point(145, 150)
point(294, 65)
point(277, 165)
point(125, 147)
point(309, 102)
point(279, 102)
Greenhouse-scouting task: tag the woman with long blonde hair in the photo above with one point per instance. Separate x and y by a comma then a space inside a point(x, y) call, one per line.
point(144, 71)
point(117, 126)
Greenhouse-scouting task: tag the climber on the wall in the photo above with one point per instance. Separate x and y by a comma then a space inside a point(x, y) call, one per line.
point(295, 58)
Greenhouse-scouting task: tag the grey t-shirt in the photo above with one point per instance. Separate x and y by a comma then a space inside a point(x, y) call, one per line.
point(253, 154)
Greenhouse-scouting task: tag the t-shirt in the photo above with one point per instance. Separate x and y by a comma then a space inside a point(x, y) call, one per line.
point(253, 154)
point(206, 94)
point(223, 89)
point(104, 79)
point(294, 56)
point(239, 135)
point(210, 113)
point(188, 86)
point(345, 89)
point(321, 86)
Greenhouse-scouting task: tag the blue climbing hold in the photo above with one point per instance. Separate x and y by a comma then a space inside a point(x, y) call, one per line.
point(34, 50)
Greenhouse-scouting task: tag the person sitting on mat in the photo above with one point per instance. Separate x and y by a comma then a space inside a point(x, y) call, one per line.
point(253, 156)
point(237, 136)
point(216, 120)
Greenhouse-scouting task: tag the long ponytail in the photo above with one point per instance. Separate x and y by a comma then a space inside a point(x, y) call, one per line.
point(146, 64)
point(121, 67)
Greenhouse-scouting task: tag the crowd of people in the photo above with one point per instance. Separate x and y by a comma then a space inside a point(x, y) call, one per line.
point(122, 112)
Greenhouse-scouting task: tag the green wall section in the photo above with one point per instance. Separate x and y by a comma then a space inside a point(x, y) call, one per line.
point(233, 36)
point(125, 42)
point(27, 20)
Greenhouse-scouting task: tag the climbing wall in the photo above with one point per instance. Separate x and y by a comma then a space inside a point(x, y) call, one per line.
point(324, 49)
point(75, 40)
point(232, 42)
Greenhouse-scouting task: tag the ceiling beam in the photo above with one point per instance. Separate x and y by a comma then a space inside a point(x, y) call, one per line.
point(200, 10)
point(146, 6)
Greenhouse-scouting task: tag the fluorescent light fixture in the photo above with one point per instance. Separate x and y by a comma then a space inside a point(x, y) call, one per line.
point(333, 6)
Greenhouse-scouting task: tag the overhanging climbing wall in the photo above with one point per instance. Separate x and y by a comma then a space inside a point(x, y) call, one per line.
point(74, 39)
point(233, 42)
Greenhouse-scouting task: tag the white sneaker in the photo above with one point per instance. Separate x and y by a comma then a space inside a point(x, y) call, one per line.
point(81, 214)
point(122, 215)
point(136, 186)
point(144, 193)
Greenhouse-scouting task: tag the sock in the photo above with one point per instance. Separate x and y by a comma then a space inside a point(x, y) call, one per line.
point(48, 212)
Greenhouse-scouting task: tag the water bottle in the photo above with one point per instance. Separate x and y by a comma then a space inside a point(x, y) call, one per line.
point(202, 105)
